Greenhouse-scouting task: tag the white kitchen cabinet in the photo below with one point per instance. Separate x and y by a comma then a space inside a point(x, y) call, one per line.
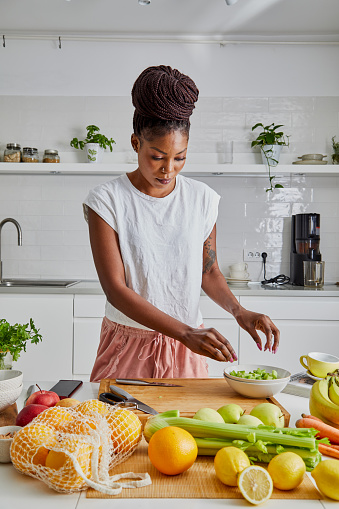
point(305, 324)
point(51, 359)
point(214, 316)
point(88, 313)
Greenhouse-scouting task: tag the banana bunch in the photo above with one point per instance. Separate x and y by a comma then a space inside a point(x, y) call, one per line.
point(324, 400)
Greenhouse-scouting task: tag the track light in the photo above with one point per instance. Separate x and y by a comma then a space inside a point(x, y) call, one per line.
point(144, 2)
point(231, 2)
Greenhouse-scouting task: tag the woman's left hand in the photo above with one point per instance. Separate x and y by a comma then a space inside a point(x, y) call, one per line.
point(251, 322)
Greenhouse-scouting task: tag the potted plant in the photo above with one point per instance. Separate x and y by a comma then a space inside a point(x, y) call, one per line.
point(94, 144)
point(270, 141)
point(13, 340)
point(335, 155)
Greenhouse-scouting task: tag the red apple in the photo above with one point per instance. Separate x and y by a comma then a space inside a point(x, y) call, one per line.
point(28, 413)
point(41, 397)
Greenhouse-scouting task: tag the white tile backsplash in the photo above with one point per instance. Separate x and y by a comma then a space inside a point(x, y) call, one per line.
point(49, 208)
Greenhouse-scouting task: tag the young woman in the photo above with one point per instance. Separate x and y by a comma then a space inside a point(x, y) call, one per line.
point(153, 239)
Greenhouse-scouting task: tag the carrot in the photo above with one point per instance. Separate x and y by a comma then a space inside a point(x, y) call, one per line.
point(328, 450)
point(311, 417)
point(324, 430)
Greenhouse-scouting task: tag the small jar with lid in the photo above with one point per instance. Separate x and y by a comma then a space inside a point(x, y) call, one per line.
point(51, 156)
point(12, 153)
point(30, 155)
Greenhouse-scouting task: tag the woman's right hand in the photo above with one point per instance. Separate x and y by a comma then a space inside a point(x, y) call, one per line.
point(210, 343)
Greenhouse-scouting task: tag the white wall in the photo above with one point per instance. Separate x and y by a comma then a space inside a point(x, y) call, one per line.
point(109, 69)
point(48, 95)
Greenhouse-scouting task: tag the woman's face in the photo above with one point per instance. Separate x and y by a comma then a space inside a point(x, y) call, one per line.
point(160, 160)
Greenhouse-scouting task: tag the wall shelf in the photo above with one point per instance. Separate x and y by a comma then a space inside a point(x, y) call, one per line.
point(192, 169)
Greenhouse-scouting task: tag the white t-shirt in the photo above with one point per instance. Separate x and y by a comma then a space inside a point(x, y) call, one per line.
point(161, 242)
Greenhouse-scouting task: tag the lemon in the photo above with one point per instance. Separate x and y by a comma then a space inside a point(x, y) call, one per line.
point(228, 463)
point(287, 470)
point(255, 484)
point(326, 476)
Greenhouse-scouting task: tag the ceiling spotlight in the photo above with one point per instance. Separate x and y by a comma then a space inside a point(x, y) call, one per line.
point(231, 2)
point(144, 2)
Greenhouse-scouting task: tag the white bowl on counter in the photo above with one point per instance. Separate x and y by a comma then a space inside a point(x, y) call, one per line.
point(10, 379)
point(5, 443)
point(252, 388)
point(7, 398)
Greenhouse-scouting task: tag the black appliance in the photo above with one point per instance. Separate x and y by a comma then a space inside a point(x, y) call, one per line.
point(305, 244)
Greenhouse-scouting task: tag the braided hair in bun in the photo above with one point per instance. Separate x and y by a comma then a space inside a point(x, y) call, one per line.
point(164, 100)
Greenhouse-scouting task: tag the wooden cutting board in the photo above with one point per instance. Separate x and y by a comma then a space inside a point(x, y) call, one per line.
point(199, 481)
point(194, 394)
point(8, 416)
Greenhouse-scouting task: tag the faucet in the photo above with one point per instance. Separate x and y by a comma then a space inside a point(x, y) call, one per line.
point(18, 227)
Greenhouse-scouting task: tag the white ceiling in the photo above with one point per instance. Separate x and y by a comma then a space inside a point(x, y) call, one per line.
point(286, 19)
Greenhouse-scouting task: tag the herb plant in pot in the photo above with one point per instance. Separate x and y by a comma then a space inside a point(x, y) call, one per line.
point(335, 155)
point(94, 144)
point(13, 340)
point(270, 141)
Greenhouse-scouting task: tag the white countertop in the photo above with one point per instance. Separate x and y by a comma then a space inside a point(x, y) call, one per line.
point(18, 491)
point(252, 289)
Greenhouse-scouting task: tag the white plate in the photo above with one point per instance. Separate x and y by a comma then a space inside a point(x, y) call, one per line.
point(308, 373)
point(310, 161)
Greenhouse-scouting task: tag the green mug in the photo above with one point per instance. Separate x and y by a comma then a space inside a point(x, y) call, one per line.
point(319, 364)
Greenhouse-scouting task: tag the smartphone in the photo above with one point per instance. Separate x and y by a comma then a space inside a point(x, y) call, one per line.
point(65, 388)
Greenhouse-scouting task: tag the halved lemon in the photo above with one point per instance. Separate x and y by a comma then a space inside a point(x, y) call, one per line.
point(255, 484)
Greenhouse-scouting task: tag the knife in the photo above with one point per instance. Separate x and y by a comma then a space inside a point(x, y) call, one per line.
point(122, 396)
point(30, 391)
point(132, 381)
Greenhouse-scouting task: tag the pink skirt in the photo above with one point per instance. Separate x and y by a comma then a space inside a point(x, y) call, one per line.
point(128, 352)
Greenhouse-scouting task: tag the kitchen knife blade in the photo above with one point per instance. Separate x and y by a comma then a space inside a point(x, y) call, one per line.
point(125, 396)
point(30, 391)
point(132, 381)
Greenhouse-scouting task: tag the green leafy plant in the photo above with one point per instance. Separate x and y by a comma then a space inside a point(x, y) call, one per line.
point(93, 136)
point(13, 338)
point(335, 145)
point(270, 136)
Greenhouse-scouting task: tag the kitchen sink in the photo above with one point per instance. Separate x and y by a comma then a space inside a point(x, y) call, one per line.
point(51, 283)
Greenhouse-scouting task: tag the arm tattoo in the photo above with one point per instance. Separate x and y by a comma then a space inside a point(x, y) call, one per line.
point(210, 256)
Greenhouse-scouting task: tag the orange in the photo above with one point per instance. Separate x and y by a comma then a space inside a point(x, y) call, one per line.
point(172, 450)
point(92, 405)
point(54, 417)
point(68, 402)
point(31, 445)
point(60, 470)
point(125, 428)
point(80, 426)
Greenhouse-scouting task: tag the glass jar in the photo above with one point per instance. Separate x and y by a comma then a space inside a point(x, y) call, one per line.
point(12, 153)
point(51, 156)
point(30, 155)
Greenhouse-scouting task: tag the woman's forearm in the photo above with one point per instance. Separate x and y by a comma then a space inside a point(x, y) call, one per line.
point(216, 287)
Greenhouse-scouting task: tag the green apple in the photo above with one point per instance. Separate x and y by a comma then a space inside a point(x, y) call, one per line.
point(231, 413)
point(208, 414)
point(269, 414)
point(249, 420)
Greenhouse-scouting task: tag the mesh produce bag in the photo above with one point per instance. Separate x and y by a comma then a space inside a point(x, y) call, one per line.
point(71, 449)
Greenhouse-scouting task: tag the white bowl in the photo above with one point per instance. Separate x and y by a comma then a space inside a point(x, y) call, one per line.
point(10, 379)
point(312, 157)
point(282, 373)
point(7, 398)
point(257, 388)
point(5, 443)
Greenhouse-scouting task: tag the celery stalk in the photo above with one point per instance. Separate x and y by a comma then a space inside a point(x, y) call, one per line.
point(205, 429)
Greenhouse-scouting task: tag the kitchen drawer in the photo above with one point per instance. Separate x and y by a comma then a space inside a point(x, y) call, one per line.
point(210, 309)
point(294, 308)
point(297, 337)
point(89, 306)
point(86, 342)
